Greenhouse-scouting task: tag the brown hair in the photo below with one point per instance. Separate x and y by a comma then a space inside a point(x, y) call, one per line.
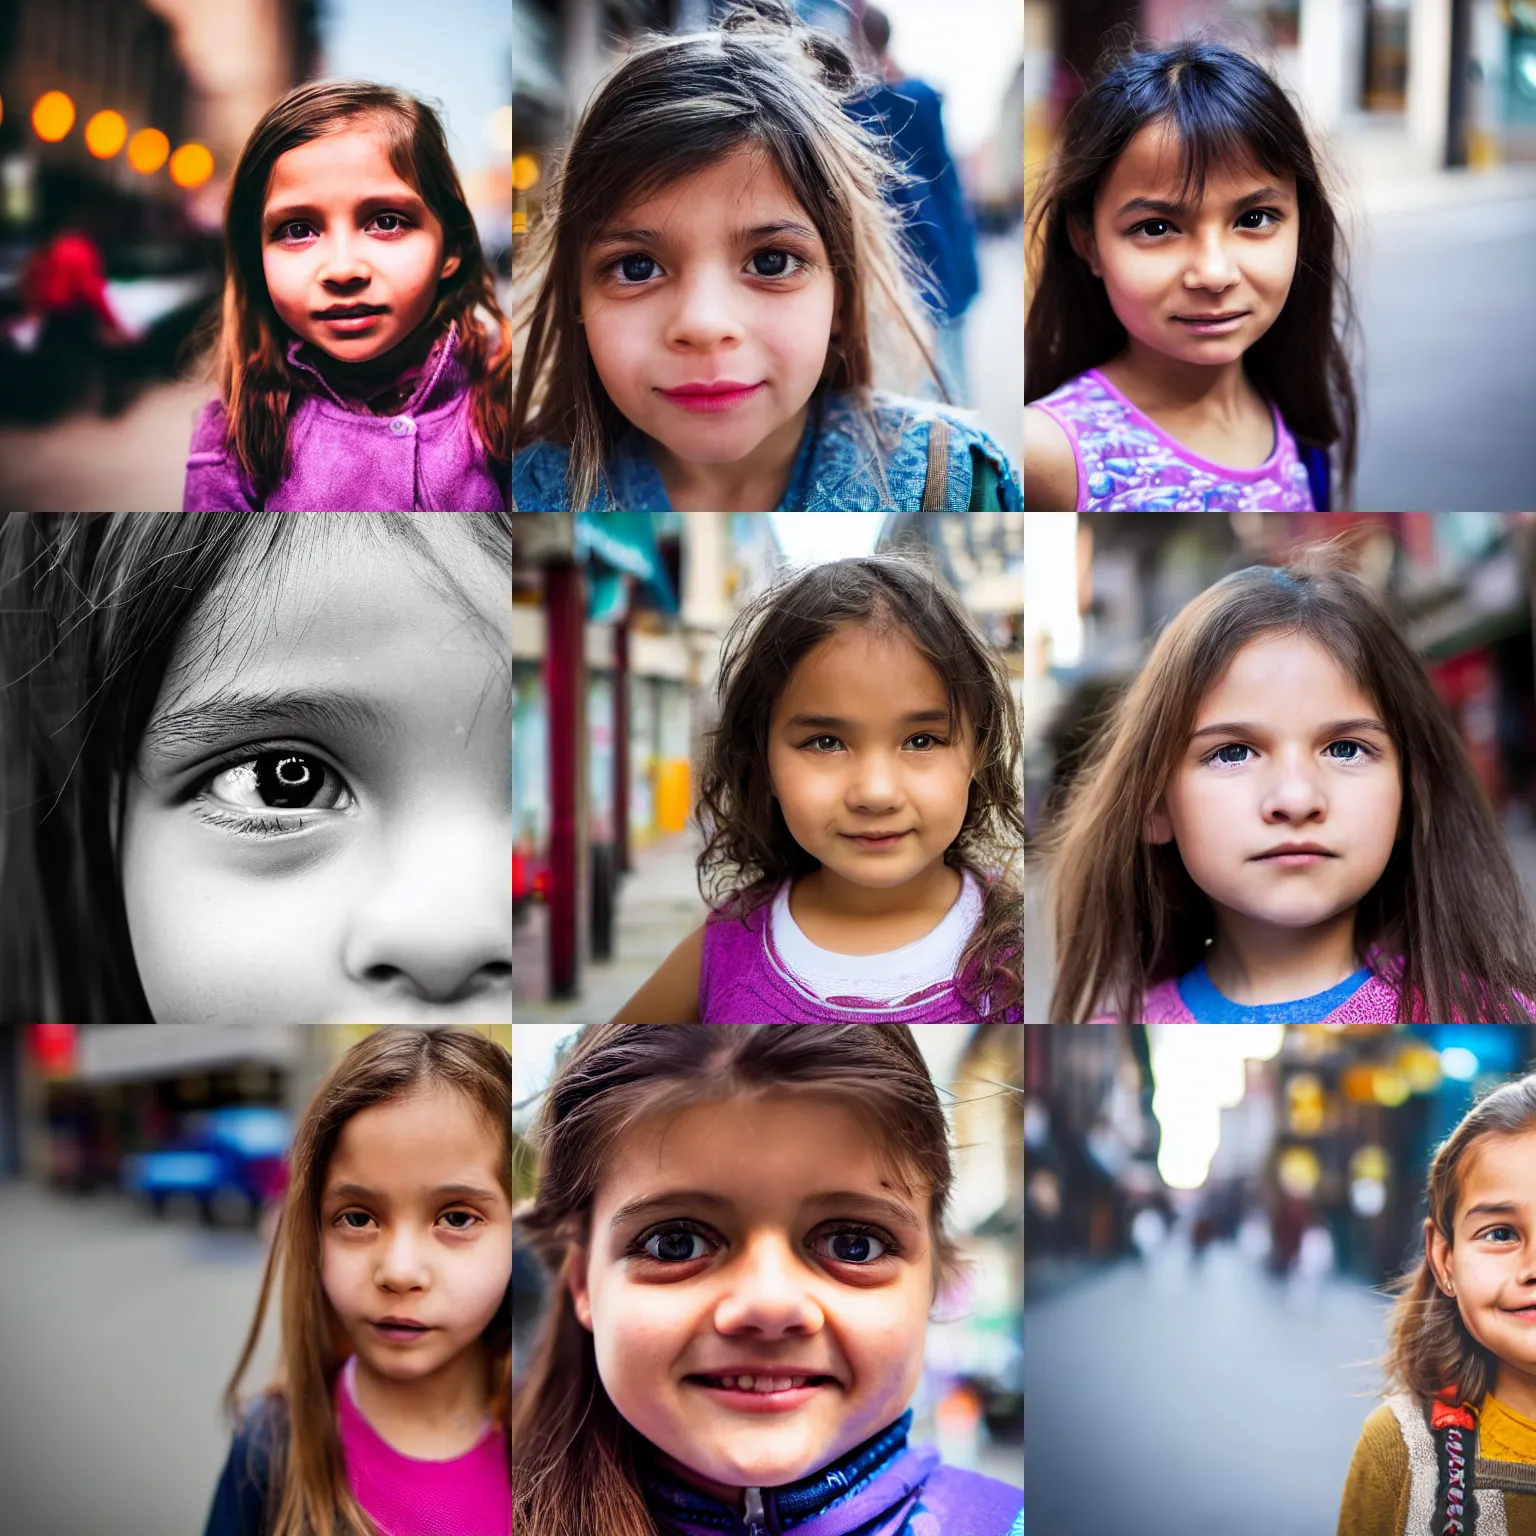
point(574, 1470)
point(1446, 923)
point(309, 1493)
point(1429, 1345)
point(674, 106)
point(258, 386)
point(749, 851)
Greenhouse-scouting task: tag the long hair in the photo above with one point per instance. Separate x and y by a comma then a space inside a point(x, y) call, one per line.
point(573, 1471)
point(1220, 104)
point(91, 608)
point(749, 850)
point(1429, 1346)
point(309, 1480)
point(1446, 922)
point(259, 388)
point(673, 106)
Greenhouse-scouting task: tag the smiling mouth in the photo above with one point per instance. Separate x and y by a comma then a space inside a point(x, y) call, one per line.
point(761, 1384)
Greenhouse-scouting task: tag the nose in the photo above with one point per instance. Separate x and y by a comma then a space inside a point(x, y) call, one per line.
point(704, 316)
point(342, 265)
point(1294, 794)
point(767, 1295)
point(400, 1265)
point(434, 929)
point(1211, 266)
point(872, 786)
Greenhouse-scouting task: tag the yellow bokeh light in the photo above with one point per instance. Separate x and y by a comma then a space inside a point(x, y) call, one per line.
point(191, 165)
point(525, 173)
point(147, 150)
point(53, 116)
point(105, 134)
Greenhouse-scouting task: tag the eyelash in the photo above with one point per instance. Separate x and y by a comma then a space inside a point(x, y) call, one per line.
point(1274, 216)
point(637, 1249)
point(278, 234)
point(1502, 1227)
point(342, 1222)
point(274, 824)
point(612, 269)
point(1366, 752)
point(810, 741)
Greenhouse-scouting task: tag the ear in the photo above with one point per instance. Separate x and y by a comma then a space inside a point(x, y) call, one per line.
point(1159, 827)
point(1437, 1253)
point(581, 1296)
point(1081, 236)
point(450, 266)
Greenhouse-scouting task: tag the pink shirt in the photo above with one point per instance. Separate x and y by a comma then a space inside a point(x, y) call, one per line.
point(468, 1496)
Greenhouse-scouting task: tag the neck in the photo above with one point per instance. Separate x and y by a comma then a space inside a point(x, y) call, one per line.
point(755, 483)
point(448, 1406)
point(359, 378)
point(1254, 962)
point(933, 889)
point(1516, 1389)
point(1153, 382)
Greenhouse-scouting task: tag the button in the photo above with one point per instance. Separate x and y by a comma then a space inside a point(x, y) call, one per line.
point(402, 426)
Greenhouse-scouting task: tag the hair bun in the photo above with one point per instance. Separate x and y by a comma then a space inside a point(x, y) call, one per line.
point(834, 63)
point(760, 16)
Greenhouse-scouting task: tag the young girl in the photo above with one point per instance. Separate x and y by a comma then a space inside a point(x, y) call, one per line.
point(1453, 1448)
point(362, 359)
point(389, 1413)
point(253, 767)
point(1278, 824)
point(714, 286)
point(1183, 347)
point(757, 1382)
point(861, 841)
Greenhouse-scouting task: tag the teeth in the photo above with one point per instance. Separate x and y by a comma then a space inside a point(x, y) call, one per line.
point(761, 1383)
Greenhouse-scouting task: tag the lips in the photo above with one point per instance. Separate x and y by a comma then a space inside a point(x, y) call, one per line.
point(349, 311)
point(1231, 314)
point(401, 1323)
point(1297, 850)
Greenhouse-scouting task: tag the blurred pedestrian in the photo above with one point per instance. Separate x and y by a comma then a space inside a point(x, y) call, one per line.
point(719, 313)
point(740, 1355)
point(909, 114)
point(363, 360)
point(1185, 342)
point(858, 875)
point(1278, 824)
point(1453, 1447)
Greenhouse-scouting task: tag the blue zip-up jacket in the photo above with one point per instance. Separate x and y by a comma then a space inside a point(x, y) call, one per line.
point(833, 471)
point(880, 1488)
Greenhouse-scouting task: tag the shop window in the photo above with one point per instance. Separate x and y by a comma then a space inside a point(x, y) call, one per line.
point(1385, 86)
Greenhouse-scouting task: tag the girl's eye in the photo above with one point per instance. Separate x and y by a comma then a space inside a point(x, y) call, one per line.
point(1502, 1235)
point(776, 264)
point(1154, 228)
point(346, 1216)
point(286, 234)
point(469, 1219)
point(933, 741)
point(396, 226)
point(281, 780)
point(816, 741)
point(1223, 754)
point(853, 1245)
point(1266, 216)
point(1353, 753)
point(674, 1245)
point(635, 268)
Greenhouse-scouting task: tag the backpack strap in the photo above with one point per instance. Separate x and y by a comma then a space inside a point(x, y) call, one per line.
point(937, 483)
point(1454, 1428)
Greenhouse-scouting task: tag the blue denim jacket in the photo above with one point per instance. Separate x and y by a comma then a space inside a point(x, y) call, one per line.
point(832, 472)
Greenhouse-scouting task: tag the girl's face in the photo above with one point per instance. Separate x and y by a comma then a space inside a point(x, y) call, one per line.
point(708, 308)
point(1490, 1268)
point(415, 1226)
point(1286, 753)
point(1169, 268)
point(318, 827)
point(849, 756)
point(351, 253)
point(759, 1237)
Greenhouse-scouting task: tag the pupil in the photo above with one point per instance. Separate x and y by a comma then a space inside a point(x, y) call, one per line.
point(776, 262)
point(676, 1245)
point(286, 781)
point(636, 268)
point(859, 1246)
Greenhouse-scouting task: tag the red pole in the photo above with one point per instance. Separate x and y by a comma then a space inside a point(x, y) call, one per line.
point(621, 744)
point(565, 685)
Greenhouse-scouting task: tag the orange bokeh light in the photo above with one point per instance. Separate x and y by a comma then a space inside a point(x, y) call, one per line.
point(105, 134)
point(191, 165)
point(53, 116)
point(147, 150)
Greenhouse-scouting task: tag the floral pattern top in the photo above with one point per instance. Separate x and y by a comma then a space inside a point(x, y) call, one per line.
point(1127, 463)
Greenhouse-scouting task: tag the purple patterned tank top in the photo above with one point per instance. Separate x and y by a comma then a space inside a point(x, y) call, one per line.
point(1127, 463)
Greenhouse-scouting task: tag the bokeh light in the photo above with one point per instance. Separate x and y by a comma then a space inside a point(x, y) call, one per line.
point(525, 173)
point(147, 150)
point(53, 116)
point(106, 133)
point(498, 129)
point(191, 165)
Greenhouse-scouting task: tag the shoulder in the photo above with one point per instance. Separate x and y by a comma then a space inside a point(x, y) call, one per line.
point(1374, 1002)
point(244, 1493)
point(671, 996)
point(215, 482)
point(910, 425)
point(538, 478)
point(208, 431)
point(968, 1504)
point(1164, 1005)
point(1379, 1485)
point(1050, 463)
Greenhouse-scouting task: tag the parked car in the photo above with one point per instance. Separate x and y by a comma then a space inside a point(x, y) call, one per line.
point(224, 1158)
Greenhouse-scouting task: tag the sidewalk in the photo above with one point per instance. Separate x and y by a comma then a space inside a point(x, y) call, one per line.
point(658, 906)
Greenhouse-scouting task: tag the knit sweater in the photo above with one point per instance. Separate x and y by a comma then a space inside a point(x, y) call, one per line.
point(880, 1488)
point(1393, 1478)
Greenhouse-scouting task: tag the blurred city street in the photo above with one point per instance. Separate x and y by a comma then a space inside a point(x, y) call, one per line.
point(997, 373)
point(1195, 1395)
point(119, 1335)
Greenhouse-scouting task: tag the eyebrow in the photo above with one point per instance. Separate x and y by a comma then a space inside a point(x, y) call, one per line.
point(209, 722)
point(837, 723)
point(893, 1210)
point(461, 1191)
point(1249, 728)
point(287, 212)
point(1491, 1208)
point(1159, 205)
point(738, 236)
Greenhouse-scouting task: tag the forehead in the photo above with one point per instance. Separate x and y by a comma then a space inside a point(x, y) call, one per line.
point(1152, 165)
point(1500, 1166)
point(834, 677)
point(1284, 676)
point(429, 1137)
point(347, 164)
